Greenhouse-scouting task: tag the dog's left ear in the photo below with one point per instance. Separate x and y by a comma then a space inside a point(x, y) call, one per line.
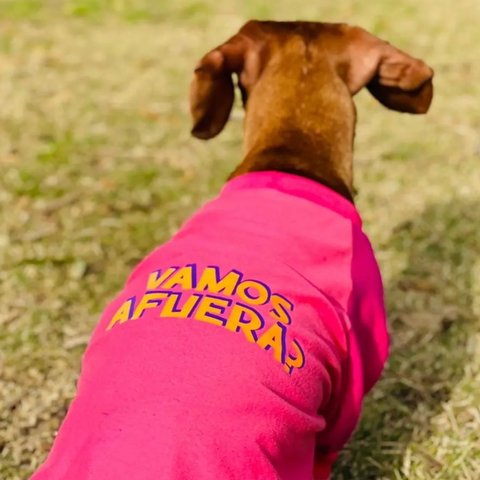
point(397, 80)
point(212, 90)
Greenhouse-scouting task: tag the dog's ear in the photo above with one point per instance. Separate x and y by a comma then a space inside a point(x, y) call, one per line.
point(397, 80)
point(212, 89)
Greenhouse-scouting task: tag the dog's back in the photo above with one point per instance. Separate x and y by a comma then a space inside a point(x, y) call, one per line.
point(228, 341)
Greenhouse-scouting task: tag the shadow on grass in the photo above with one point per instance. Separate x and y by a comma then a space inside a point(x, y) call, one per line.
point(430, 306)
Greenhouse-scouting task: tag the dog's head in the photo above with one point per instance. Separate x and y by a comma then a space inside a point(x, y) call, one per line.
point(397, 80)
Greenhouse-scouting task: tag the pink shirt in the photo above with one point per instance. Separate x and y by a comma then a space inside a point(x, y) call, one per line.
point(236, 348)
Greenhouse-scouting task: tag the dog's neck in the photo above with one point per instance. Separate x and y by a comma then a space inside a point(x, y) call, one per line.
point(308, 132)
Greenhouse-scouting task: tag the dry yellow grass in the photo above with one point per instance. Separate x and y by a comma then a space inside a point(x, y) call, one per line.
point(97, 168)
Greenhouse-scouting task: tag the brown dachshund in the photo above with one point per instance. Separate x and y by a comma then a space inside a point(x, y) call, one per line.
point(244, 346)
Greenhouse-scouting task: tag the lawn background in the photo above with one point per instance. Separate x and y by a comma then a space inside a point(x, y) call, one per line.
point(97, 167)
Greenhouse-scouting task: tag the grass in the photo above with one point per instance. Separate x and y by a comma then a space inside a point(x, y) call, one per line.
point(97, 168)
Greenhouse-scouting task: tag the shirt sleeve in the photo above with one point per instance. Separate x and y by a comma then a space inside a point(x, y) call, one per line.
point(367, 311)
point(322, 468)
point(368, 346)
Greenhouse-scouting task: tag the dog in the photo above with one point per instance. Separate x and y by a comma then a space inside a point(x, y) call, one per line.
point(243, 347)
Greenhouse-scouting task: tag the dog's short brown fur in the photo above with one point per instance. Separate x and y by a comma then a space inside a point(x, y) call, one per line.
point(297, 81)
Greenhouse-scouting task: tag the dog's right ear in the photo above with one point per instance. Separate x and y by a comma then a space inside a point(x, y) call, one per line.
point(212, 90)
point(397, 80)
